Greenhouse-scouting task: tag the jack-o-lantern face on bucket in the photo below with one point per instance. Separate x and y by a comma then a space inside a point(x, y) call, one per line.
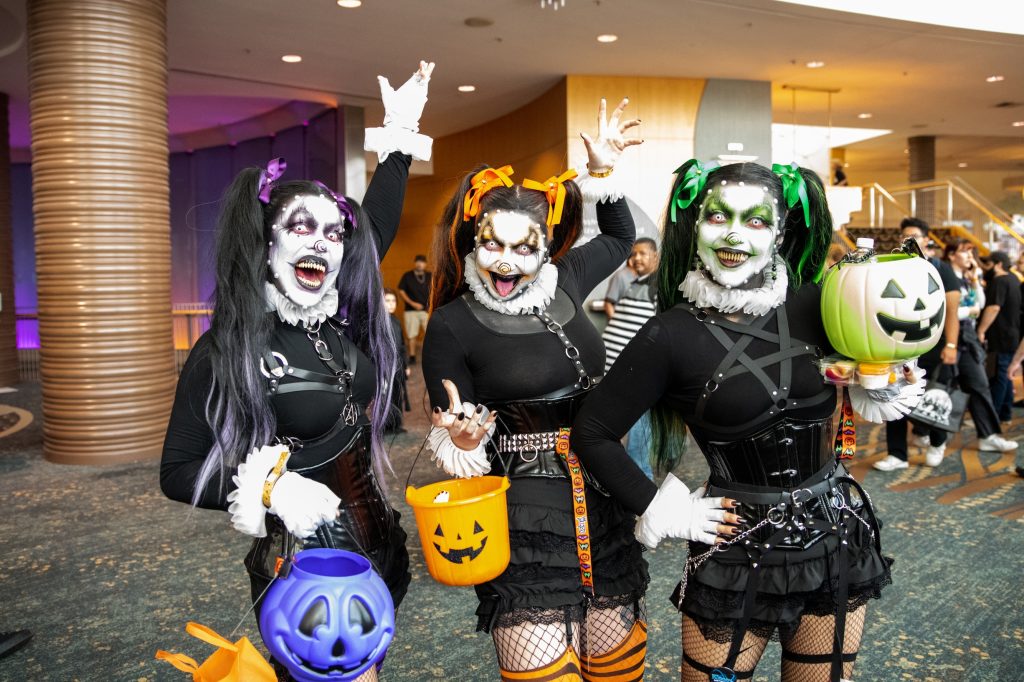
point(884, 311)
point(464, 546)
point(330, 619)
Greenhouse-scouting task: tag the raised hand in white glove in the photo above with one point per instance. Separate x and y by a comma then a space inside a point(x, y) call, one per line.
point(404, 106)
point(459, 435)
point(302, 504)
point(604, 152)
point(675, 512)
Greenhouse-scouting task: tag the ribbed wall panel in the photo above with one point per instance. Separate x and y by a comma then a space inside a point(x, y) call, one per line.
point(8, 335)
point(98, 87)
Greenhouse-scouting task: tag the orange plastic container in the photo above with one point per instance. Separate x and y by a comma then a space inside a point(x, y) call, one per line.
point(465, 539)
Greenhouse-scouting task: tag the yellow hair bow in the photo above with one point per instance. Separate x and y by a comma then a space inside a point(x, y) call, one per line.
point(482, 183)
point(554, 188)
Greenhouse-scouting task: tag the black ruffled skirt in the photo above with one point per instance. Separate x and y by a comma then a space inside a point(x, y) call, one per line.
point(542, 582)
point(792, 583)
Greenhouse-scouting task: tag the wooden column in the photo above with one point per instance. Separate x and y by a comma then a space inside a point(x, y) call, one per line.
point(98, 97)
point(8, 338)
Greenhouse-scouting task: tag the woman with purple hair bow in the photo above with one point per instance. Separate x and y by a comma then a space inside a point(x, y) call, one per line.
point(270, 418)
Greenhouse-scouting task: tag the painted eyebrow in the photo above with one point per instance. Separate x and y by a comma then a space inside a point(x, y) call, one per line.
point(763, 211)
point(716, 205)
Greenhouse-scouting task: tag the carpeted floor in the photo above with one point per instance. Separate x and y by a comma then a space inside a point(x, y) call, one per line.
point(105, 571)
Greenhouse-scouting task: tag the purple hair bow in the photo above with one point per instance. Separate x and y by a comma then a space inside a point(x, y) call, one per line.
point(269, 175)
point(346, 208)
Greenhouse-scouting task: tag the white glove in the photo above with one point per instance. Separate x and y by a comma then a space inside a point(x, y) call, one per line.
point(675, 512)
point(404, 106)
point(247, 511)
point(302, 504)
point(892, 402)
point(402, 110)
point(454, 460)
point(604, 152)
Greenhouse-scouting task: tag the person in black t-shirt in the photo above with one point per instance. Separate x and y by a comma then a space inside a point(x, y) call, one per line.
point(414, 288)
point(399, 393)
point(999, 329)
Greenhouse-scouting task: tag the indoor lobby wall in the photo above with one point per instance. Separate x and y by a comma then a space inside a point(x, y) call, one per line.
point(531, 139)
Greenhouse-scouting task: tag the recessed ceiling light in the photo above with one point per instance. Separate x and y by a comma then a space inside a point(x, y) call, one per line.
point(291, 58)
point(607, 38)
point(1017, 124)
point(467, 88)
point(962, 164)
point(864, 115)
point(815, 65)
point(994, 79)
point(350, 4)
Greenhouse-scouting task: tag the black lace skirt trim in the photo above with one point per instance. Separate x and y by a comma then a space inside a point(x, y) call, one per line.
point(543, 574)
point(791, 584)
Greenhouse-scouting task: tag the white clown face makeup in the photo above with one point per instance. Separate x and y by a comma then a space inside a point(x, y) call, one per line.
point(511, 248)
point(736, 231)
point(306, 248)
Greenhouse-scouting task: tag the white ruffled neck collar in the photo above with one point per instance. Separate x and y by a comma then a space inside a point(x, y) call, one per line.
point(535, 297)
point(291, 313)
point(704, 292)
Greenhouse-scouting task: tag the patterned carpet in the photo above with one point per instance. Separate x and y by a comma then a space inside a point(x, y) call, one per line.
point(105, 570)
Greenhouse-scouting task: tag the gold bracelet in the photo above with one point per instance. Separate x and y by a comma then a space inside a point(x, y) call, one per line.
point(272, 477)
point(599, 174)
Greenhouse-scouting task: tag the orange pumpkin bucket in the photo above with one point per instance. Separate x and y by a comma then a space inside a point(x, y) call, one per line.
point(463, 527)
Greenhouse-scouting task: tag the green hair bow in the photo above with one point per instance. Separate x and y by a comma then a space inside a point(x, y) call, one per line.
point(694, 179)
point(794, 188)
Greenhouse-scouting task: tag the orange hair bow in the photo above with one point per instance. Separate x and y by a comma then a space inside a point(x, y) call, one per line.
point(482, 183)
point(554, 188)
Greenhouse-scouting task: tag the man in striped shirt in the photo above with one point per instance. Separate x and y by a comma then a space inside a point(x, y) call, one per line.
point(631, 306)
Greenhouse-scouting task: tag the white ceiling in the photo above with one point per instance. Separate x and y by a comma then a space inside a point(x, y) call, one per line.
point(915, 79)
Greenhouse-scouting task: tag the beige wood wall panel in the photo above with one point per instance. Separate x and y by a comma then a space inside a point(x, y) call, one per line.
point(98, 97)
point(531, 139)
point(8, 334)
point(668, 110)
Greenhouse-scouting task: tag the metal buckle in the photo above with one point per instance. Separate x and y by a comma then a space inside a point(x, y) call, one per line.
point(781, 516)
point(797, 500)
point(536, 454)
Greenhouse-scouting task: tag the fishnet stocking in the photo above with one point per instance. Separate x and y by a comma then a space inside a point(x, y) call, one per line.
point(712, 654)
point(527, 646)
point(605, 629)
point(815, 638)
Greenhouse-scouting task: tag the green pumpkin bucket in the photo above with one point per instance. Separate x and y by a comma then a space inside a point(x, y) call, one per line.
point(886, 309)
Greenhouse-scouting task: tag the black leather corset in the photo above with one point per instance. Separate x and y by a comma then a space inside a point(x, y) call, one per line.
point(779, 456)
point(527, 418)
point(365, 518)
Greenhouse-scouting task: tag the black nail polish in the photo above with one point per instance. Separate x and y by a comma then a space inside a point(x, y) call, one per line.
point(461, 416)
point(437, 410)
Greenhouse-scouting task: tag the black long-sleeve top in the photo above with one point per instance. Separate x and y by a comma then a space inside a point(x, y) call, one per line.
point(488, 365)
point(303, 414)
point(671, 359)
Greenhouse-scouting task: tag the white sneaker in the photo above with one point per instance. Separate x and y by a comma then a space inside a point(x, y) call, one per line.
point(934, 454)
point(996, 443)
point(891, 463)
point(921, 441)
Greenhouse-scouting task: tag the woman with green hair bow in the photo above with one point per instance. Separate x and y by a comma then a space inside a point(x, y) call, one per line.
point(782, 541)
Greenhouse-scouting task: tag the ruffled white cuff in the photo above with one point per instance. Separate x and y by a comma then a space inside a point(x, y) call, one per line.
point(393, 138)
point(454, 460)
point(888, 404)
point(610, 188)
point(248, 515)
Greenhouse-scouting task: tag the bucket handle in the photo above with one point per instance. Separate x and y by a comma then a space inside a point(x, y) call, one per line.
point(495, 454)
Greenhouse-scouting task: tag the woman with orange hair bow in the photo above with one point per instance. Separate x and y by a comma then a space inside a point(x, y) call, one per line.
point(509, 336)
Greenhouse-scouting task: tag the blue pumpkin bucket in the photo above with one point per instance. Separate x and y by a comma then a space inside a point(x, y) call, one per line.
point(330, 619)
